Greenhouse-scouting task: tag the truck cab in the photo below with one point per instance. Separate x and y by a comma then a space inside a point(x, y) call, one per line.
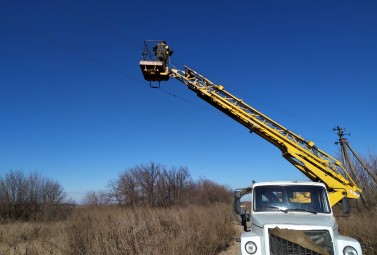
point(292, 218)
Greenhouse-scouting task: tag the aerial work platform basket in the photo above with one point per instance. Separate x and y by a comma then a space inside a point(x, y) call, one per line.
point(153, 68)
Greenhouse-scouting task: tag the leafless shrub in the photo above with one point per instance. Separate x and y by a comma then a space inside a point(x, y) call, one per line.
point(156, 186)
point(29, 197)
point(208, 192)
point(96, 199)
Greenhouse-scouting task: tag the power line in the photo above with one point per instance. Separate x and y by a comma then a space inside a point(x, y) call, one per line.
point(100, 26)
point(286, 112)
point(93, 22)
point(50, 39)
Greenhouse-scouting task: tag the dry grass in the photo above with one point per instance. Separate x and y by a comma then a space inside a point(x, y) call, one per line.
point(111, 230)
point(363, 227)
point(177, 230)
point(32, 238)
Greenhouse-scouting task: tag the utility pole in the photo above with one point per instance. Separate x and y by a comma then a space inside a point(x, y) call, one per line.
point(348, 164)
point(344, 145)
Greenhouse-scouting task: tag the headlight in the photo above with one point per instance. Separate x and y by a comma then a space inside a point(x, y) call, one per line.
point(251, 247)
point(348, 250)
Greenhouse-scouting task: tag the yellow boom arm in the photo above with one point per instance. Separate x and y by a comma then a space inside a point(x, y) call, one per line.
point(304, 155)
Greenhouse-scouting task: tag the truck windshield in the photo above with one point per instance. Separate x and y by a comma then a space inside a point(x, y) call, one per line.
point(303, 198)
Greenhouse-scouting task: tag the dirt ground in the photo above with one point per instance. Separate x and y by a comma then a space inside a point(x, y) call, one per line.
point(234, 248)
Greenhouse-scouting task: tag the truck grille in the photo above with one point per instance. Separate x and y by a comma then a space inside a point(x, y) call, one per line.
point(282, 244)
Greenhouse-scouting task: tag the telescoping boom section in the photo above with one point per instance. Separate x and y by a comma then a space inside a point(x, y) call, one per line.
point(313, 162)
point(304, 155)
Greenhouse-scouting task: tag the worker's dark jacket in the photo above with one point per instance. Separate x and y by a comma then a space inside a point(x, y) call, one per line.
point(162, 51)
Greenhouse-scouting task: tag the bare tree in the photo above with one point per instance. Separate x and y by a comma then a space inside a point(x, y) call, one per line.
point(208, 192)
point(147, 177)
point(177, 183)
point(97, 199)
point(24, 197)
point(366, 180)
point(144, 184)
point(154, 185)
point(126, 190)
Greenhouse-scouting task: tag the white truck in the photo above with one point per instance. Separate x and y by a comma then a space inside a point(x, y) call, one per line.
point(291, 218)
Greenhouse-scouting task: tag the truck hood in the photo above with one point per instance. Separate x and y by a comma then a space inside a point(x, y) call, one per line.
point(305, 219)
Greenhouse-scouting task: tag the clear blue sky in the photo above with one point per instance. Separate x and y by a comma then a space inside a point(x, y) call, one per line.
point(75, 108)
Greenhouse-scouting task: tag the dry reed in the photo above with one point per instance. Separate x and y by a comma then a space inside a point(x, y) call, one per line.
point(113, 230)
point(362, 226)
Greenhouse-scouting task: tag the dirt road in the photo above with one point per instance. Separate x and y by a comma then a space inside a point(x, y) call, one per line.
point(234, 248)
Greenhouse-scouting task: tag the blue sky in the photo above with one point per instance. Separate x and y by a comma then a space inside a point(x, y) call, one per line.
point(75, 108)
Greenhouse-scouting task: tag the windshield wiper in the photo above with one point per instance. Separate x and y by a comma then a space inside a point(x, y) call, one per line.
point(283, 209)
point(286, 210)
point(301, 210)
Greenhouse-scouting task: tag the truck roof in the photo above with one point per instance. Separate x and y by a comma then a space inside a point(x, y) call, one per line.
point(289, 183)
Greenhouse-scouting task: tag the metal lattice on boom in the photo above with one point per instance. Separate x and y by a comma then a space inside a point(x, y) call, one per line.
point(304, 155)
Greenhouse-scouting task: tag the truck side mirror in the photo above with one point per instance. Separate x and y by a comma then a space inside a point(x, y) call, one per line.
point(346, 206)
point(237, 201)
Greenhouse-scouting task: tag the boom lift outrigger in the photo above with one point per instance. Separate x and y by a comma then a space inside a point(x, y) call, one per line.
point(304, 155)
